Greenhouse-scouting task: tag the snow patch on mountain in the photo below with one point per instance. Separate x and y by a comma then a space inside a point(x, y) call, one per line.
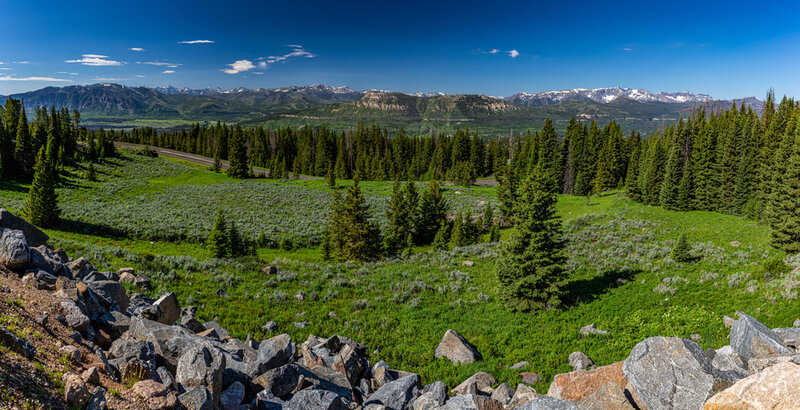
point(605, 95)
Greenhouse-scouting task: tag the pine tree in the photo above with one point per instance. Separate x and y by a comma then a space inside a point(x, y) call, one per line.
point(669, 196)
point(488, 217)
point(632, 177)
point(91, 173)
point(359, 238)
point(530, 270)
point(237, 245)
point(41, 207)
point(432, 213)
point(494, 234)
point(23, 147)
point(549, 163)
point(218, 243)
point(330, 178)
point(507, 193)
point(399, 220)
point(440, 241)
point(785, 200)
point(238, 167)
point(680, 253)
point(457, 232)
point(326, 245)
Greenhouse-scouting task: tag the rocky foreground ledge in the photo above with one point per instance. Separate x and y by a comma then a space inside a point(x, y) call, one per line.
point(168, 359)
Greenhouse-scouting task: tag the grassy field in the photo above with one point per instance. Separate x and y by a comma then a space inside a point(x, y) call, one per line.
point(621, 276)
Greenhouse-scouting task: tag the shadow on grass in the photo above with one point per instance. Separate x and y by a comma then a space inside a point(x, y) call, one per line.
point(88, 228)
point(587, 290)
point(13, 186)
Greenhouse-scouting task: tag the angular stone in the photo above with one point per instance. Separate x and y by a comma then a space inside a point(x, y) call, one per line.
point(170, 309)
point(265, 400)
point(76, 393)
point(579, 361)
point(548, 403)
point(530, 378)
point(166, 378)
point(433, 396)
point(749, 338)
point(609, 396)
point(776, 387)
point(16, 344)
point(14, 250)
point(725, 359)
point(71, 352)
point(316, 400)
point(522, 395)
point(201, 366)
point(112, 291)
point(789, 335)
point(579, 384)
point(472, 402)
point(349, 363)
point(128, 349)
point(503, 393)
point(232, 397)
point(197, 398)
point(280, 381)
point(592, 330)
point(169, 341)
point(33, 235)
point(91, 375)
point(98, 400)
point(519, 365)
point(481, 380)
point(454, 347)
point(155, 394)
point(760, 363)
point(673, 372)
point(276, 351)
point(220, 330)
point(396, 395)
point(114, 323)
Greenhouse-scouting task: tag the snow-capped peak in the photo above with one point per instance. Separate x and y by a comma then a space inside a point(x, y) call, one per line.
point(605, 95)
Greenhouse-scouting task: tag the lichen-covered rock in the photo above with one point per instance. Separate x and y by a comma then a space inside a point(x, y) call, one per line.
point(478, 382)
point(112, 291)
point(316, 400)
point(609, 396)
point(197, 398)
point(472, 402)
point(14, 250)
point(669, 372)
point(157, 395)
point(548, 403)
point(503, 393)
point(454, 347)
point(750, 338)
point(396, 395)
point(579, 384)
point(76, 393)
point(579, 361)
point(276, 351)
point(776, 387)
point(280, 381)
point(522, 395)
point(201, 366)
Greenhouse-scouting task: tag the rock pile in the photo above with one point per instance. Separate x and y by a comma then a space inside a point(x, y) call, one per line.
point(172, 360)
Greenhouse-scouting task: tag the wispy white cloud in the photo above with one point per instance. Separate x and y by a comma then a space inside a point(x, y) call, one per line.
point(168, 72)
point(109, 79)
point(627, 49)
point(22, 62)
point(197, 42)
point(5, 69)
point(136, 49)
point(258, 72)
point(64, 72)
point(297, 51)
point(49, 79)
point(161, 64)
point(139, 75)
point(96, 60)
point(494, 51)
point(239, 66)
point(513, 53)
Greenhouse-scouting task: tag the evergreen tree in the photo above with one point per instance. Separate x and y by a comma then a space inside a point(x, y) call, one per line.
point(23, 147)
point(326, 245)
point(440, 241)
point(488, 217)
point(530, 270)
point(358, 238)
point(457, 232)
point(680, 253)
point(330, 178)
point(399, 217)
point(785, 200)
point(218, 242)
point(507, 193)
point(494, 234)
point(91, 174)
point(632, 177)
point(432, 213)
point(669, 196)
point(549, 163)
point(238, 167)
point(41, 207)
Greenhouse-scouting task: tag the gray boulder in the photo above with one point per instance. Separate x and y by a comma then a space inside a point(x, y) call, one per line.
point(503, 393)
point(669, 372)
point(114, 323)
point(134, 349)
point(579, 361)
point(16, 344)
point(201, 366)
point(316, 400)
point(280, 381)
point(454, 347)
point(472, 402)
point(33, 235)
point(221, 332)
point(265, 400)
point(749, 338)
point(14, 250)
point(170, 342)
point(98, 400)
point(396, 395)
point(232, 397)
point(112, 291)
point(548, 403)
point(169, 309)
point(197, 398)
point(276, 351)
point(74, 316)
point(725, 359)
point(789, 335)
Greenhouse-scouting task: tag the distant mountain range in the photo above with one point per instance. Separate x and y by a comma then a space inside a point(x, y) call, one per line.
point(119, 106)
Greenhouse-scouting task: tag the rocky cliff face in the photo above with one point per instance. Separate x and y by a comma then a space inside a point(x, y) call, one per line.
point(125, 350)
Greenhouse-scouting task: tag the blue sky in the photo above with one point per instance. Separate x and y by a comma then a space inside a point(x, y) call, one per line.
point(730, 49)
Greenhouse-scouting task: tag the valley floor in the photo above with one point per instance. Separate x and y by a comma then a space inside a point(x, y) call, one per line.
point(152, 214)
